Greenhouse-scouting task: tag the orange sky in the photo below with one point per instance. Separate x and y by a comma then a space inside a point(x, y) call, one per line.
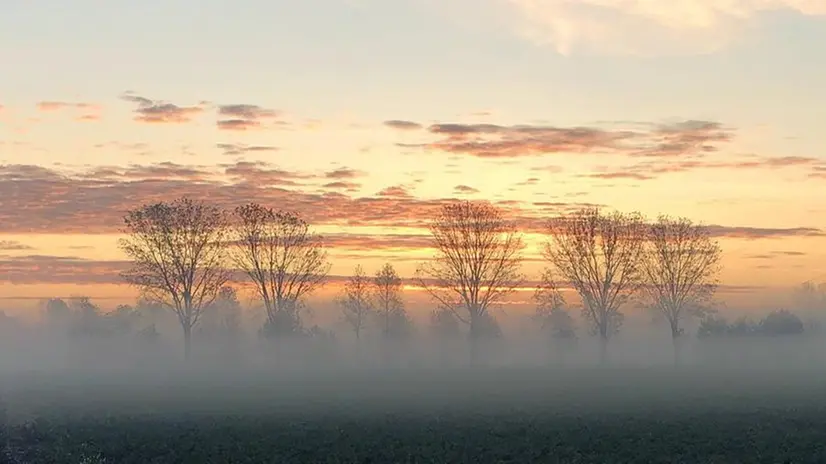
point(366, 126)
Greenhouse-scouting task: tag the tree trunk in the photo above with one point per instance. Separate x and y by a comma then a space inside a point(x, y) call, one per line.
point(603, 349)
point(473, 336)
point(187, 341)
point(676, 341)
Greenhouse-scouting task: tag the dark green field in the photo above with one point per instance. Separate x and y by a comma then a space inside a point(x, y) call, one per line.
point(495, 415)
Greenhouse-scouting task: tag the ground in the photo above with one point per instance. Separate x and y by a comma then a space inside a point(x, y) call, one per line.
point(495, 415)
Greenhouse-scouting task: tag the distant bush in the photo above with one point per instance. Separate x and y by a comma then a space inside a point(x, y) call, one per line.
point(781, 322)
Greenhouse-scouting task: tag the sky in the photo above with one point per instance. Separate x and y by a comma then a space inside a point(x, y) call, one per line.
point(367, 115)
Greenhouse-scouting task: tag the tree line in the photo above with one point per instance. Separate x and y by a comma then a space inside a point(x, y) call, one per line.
point(183, 254)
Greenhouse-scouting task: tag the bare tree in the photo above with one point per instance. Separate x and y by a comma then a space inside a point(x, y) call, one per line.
point(680, 270)
point(443, 324)
point(177, 252)
point(551, 311)
point(224, 316)
point(356, 303)
point(477, 262)
point(810, 299)
point(284, 259)
point(553, 316)
point(600, 255)
point(389, 305)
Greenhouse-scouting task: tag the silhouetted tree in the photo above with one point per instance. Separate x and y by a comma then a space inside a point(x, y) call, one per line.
point(223, 317)
point(149, 334)
point(444, 328)
point(476, 264)
point(781, 322)
point(57, 313)
point(389, 305)
point(489, 327)
point(552, 315)
point(811, 296)
point(551, 312)
point(810, 299)
point(600, 255)
point(87, 320)
point(712, 326)
point(123, 320)
point(444, 324)
point(284, 260)
point(178, 257)
point(679, 270)
point(356, 302)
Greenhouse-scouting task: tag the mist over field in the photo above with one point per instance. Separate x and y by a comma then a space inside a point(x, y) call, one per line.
point(60, 368)
point(622, 326)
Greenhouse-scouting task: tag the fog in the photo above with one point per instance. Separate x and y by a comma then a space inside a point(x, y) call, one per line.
point(51, 367)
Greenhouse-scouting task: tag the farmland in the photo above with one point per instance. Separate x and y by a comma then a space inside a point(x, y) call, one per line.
point(507, 414)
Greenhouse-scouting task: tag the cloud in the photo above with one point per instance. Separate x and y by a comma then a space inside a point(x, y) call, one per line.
point(263, 174)
point(134, 148)
point(162, 171)
point(647, 170)
point(89, 112)
point(396, 191)
point(680, 139)
point(246, 111)
point(160, 112)
point(343, 173)
point(59, 105)
point(528, 181)
point(402, 125)
point(242, 117)
point(38, 269)
point(382, 242)
point(818, 172)
point(342, 185)
point(649, 28)
point(94, 200)
point(754, 233)
point(686, 137)
point(234, 149)
point(775, 254)
point(238, 124)
point(88, 118)
point(620, 175)
point(464, 189)
point(12, 245)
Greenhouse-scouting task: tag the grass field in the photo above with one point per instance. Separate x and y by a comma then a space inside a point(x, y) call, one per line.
point(382, 416)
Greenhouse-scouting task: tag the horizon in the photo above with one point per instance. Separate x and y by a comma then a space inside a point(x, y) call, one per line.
point(542, 107)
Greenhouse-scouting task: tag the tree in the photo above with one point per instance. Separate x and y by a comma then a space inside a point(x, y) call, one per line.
point(122, 320)
point(284, 260)
point(712, 326)
point(680, 266)
point(57, 313)
point(356, 303)
point(551, 312)
point(600, 255)
point(223, 319)
point(178, 257)
point(476, 265)
point(87, 318)
point(781, 322)
point(552, 315)
point(444, 324)
point(389, 306)
point(810, 299)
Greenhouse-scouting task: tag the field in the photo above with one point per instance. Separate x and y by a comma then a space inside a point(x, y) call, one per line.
point(519, 415)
